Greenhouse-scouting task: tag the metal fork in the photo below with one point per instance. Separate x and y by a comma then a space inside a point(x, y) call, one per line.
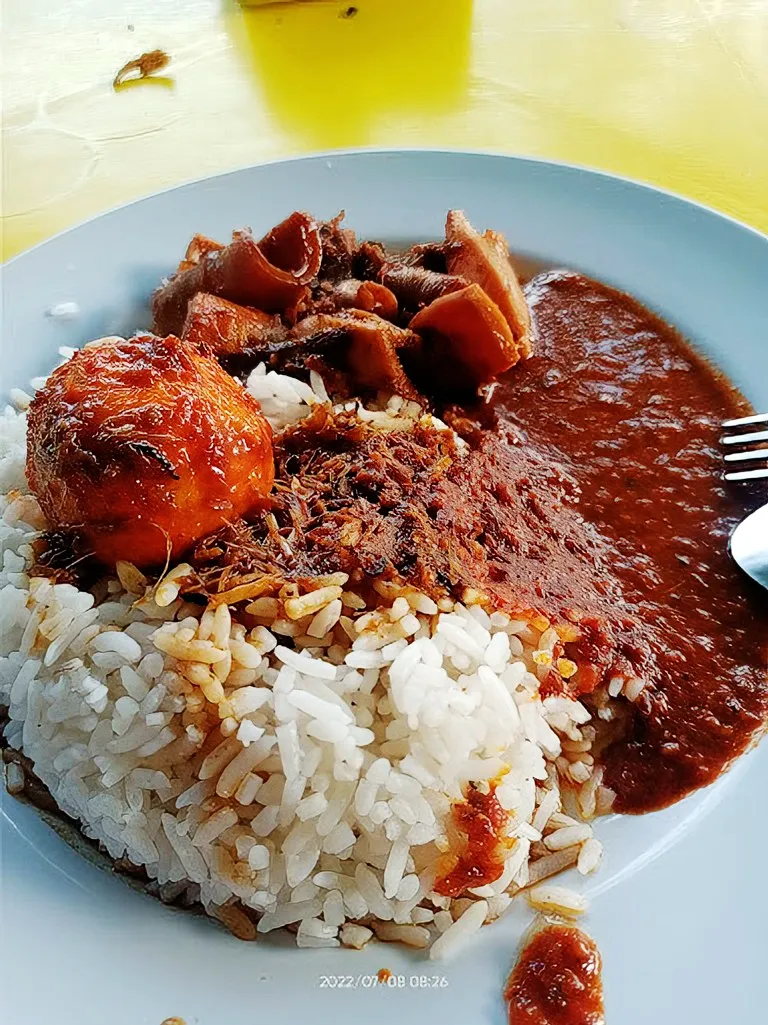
point(749, 455)
point(749, 541)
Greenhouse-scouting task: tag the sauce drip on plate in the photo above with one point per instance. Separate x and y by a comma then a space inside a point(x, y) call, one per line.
point(556, 980)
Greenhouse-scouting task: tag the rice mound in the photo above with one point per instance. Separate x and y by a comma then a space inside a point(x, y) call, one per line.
point(302, 772)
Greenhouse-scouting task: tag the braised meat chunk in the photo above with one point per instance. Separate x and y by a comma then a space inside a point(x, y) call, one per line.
point(484, 260)
point(144, 447)
point(271, 274)
point(363, 345)
point(416, 287)
point(350, 293)
point(339, 246)
point(228, 329)
point(437, 321)
point(199, 246)
point(467, 342)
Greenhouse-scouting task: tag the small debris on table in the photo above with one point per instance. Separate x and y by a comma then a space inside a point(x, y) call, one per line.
point(144, 66)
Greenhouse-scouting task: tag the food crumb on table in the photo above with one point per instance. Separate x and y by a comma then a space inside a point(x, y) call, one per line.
point(147, 64)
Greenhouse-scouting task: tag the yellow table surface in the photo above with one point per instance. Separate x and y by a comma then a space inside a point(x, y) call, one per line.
point(673, 92)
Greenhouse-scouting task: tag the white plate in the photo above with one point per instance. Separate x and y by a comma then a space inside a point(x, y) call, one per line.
point(685, 938)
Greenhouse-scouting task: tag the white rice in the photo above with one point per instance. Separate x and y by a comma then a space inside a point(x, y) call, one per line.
point(64, 311)
point(557, 900)
point(457, 934)
point(308, 785)
point(285, 400)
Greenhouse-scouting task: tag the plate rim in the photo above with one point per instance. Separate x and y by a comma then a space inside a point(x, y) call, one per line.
point(389, 151)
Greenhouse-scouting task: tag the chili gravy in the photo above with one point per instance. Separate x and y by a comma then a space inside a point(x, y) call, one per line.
point(617, 397)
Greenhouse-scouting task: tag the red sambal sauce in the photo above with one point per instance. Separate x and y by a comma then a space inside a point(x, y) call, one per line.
point(615, 397)
point(556, 980)
point(480, 819)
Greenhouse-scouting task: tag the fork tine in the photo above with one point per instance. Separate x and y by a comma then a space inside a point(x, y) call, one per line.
point(744, 439)
point(746, 421)
point(739, 457)
point(748, 475)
